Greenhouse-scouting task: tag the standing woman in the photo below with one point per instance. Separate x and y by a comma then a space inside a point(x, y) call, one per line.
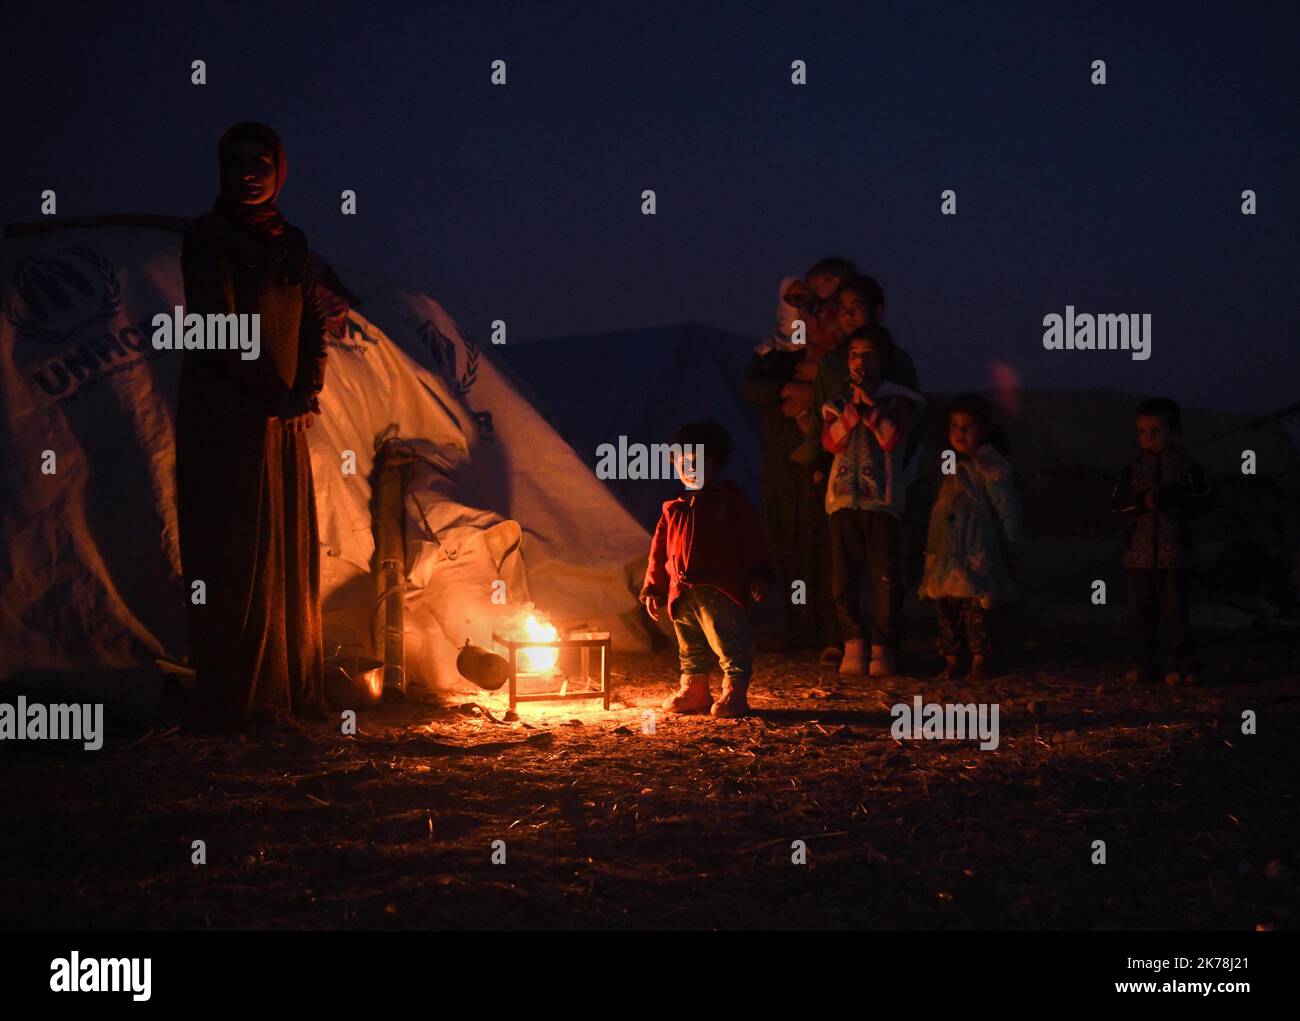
point(245, 502)
point(779, 381)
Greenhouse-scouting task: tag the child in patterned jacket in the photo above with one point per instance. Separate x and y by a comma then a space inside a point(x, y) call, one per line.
point(975, 533)
point(866, 429)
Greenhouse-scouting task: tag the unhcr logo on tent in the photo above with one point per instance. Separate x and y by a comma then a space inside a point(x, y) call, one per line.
point(73, 298)
point(60, 297)
point(231, 331)
point(38, 722)
point(442, 349)
point(652, 461)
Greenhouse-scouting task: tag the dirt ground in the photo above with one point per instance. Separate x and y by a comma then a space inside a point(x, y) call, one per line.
point(692, 826)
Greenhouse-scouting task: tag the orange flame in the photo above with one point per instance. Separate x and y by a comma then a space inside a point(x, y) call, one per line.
point(538, 660)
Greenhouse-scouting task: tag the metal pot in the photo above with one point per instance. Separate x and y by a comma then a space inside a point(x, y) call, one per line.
point(482, 666)
point(352, 681)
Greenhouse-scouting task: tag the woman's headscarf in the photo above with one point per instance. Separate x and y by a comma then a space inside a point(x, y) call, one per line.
point(786, 314)
point(263, 218)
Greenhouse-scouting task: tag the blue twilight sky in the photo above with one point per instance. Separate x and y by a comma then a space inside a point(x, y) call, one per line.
point(523, 202)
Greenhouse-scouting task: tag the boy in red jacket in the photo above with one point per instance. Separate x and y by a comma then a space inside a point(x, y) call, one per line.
point(707, 562)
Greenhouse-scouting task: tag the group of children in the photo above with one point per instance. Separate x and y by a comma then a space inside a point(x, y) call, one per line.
point(863, 439)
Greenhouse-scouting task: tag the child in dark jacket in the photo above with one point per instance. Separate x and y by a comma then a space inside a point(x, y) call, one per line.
point(707, 562)
point(1157, 493)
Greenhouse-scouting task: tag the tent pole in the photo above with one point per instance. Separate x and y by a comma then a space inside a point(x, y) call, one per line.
point(390, 567)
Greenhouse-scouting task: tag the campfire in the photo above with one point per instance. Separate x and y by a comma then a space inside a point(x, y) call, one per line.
point(535, 659)
point(539, 656)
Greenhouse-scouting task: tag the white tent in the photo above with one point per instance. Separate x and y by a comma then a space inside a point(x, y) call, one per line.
point(88, 539)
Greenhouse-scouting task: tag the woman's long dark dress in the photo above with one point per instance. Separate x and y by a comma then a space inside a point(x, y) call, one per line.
point(246, 506)
point(795, 524)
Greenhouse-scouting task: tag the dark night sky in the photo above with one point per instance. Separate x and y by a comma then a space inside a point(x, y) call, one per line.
point(522, 203)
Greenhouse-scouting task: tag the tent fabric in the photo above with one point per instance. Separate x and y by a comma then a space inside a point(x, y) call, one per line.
point(88, 536)
point(643, 384)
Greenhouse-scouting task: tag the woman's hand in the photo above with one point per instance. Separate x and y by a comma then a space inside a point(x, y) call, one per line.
point(295, 412)
point(298, 423)
point(651, 606)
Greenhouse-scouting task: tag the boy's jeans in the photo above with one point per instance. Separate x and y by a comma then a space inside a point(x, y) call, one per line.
point(867, 541)
point(710, 626)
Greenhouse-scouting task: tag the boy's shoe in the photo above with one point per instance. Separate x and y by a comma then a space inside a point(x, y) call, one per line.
point(692, 695)
point(854, 662)
point(832, 655)
point(733, 701)
point(882, 662)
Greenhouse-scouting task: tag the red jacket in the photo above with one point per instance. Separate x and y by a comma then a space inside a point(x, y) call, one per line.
point(710, 536)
